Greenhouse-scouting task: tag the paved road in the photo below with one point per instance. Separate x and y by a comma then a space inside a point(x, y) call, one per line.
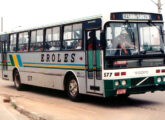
point(149, 106)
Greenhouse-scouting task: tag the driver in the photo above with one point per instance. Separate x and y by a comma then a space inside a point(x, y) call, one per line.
point(123, 42)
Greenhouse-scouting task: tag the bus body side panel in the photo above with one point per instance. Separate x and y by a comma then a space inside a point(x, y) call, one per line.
point(48, 69)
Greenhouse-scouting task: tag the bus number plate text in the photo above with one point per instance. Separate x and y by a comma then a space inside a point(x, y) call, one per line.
point(107, 74)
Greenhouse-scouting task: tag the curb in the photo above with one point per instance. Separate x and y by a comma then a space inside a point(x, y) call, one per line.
point(22, 110)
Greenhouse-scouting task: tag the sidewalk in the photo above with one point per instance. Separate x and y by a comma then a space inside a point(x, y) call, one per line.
point(8, 113)
point(47, 111)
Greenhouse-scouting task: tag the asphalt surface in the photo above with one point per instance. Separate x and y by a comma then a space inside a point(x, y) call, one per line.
point(149, 106)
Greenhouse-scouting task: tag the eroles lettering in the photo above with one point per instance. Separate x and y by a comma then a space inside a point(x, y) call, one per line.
point(58, 57)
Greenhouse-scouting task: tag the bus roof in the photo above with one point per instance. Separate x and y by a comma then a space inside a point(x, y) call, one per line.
point(53, 24)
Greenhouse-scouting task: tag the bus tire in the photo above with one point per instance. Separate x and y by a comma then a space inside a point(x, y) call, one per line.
point(73, 89)
point(17, 81)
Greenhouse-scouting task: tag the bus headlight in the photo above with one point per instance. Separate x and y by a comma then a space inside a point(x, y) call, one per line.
point(163, 79)
point(123, 82)
point(159, 79)
point(117, 83)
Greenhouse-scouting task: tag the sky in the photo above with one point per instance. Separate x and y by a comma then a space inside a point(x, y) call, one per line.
point(28, 13)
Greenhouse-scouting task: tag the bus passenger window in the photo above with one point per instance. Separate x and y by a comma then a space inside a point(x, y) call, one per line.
point(13, 43)
point(23, 42)
point(72, 37)
point(52, 39)
point(36, 40)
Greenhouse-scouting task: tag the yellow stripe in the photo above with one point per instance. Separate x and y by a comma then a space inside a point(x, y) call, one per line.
point(15, 60)
point(9, 63)
point(94, 68)
point(57, 66)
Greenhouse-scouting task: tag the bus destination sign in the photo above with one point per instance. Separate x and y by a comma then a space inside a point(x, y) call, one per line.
point(128, 16)
point(135, 16)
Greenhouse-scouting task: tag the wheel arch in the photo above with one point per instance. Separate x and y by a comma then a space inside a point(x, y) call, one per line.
point(69, 73)
point(13, 72)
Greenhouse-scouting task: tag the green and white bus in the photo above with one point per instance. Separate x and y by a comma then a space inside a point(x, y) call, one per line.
point(119, 54)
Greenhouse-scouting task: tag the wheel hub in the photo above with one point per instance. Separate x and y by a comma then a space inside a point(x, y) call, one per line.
point(73, 87)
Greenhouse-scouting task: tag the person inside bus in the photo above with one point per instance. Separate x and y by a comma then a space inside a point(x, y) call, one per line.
point(90, 40)
point(123, 43)
point(22, 48)
point(79, 45)
point(32, 47)
point(54, 46)
point(39, 47)
point(26, 48)
point(93, 42)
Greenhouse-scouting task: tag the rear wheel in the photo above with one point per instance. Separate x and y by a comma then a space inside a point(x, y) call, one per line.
point(73, 89)
point(17, 81)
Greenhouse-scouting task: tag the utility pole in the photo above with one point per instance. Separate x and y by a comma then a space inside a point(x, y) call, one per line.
point(1, 24)
point(159, 5)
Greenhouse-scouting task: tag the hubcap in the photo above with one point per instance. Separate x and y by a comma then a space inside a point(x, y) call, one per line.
point(73, 88)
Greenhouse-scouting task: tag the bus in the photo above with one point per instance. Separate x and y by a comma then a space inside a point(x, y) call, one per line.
point(118, 54)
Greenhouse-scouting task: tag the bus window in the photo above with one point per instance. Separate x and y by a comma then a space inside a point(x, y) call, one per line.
point(36, 40)
point(52, 39)
point(13, 43)
point(72, 37)
point(121, 39)
point(149, 37)
point(23, 42)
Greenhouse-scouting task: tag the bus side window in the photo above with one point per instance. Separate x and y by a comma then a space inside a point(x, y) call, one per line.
point(36, 40)
point(23, 42)
point(52, 39)
point(13, 42)
point(72, 37)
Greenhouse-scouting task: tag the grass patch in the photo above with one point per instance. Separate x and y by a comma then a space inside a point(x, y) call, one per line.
point(14, 105)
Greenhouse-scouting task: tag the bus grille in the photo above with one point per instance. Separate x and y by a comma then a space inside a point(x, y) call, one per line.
point(147, 82)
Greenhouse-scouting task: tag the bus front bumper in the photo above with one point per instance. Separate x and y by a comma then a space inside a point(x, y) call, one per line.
point(134, 90)
point(132, 86)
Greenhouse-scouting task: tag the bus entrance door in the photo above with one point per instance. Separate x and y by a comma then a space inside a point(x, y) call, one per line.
point(4, 59)
point(93, 61)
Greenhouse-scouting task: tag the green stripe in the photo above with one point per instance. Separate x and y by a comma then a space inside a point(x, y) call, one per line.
point(90, 60)
point(11, 59)
point(98, 61)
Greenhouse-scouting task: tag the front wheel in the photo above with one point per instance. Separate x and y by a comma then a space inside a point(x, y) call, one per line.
point(17, 81)
point(73, 89)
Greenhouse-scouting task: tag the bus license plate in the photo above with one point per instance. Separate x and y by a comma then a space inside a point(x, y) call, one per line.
point(121, 91)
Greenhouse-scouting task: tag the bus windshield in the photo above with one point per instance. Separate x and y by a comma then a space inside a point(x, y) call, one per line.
point(128, 38)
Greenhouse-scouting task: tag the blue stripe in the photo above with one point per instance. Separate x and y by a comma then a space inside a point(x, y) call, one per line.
point(19, 60)
point(54, 64)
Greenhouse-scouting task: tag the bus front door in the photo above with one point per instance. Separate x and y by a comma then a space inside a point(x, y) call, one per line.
point(93, 61)
point(4, 59)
